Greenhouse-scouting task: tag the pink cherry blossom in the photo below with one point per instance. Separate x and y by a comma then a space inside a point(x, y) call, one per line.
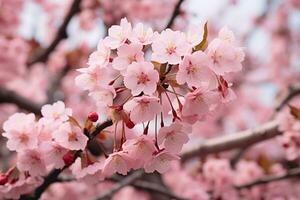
point(92, 169)
point(143, 109)
point(140, 148)
point(199, 102)
point(100, 58)
point(53, 154)
point(169, 47)
point(127, 54)
point(141, 77)
point(117, 35)
point(193, 35)
point(70, 137)
point(56, 112)
point(194, 70)
point(119, 162)
point(20, 130)
point(160, 162)
point(224, 55)
point(32, 161)
point(172, 137)
point(93, 77)
point(142, 35)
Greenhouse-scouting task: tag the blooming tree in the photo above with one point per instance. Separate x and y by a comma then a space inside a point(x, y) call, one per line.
point(150, 103)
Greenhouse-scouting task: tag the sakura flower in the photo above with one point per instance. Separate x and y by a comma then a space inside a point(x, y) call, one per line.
point(103, 96)
point(53, 154)
point(194, 70)
point(31, 161)
point(172, 137)
point(117, 162)
point(93, 77)
point(141, 77)
point(117, 35)
point(140, 148)
point(100, 58)
point(141, 35)
point(81, 170)
point(160, 162)
point(127, 54)
point(143, 109)
point(199, 102)
point(169, 47)
point(20, 130)
point(224, 55)
point(70, 137)
point(56, 112)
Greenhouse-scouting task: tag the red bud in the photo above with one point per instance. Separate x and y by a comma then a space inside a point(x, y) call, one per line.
point(3, 179)
point(93, 116)
point(68, 158)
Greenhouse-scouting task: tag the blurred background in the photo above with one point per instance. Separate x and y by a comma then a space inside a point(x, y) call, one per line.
point(43, 42)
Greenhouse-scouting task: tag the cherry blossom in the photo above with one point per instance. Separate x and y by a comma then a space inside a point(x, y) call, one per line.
point(117, 35)
point(56, 112)
point(127, 54)
point(160, 162)
point(169, 46)
point(20, 130)
point(119, 162)
point(143, 109)
point(172, 137)
point(141, 77)
point(141, 34)
point(100, 58)
point(194, 70)
point(70, 137)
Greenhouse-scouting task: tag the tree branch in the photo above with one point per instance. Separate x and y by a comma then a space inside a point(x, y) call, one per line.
point(175, 13)
point(61, 34)
point(293, 92)
point(289, 174)
point(8, 96)
point(124, 182)
point(232, 141)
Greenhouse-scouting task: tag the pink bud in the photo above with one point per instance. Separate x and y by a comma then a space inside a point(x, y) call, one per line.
point(93, 116)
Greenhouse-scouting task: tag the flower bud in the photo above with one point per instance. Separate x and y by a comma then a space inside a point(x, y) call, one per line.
point(93, 116)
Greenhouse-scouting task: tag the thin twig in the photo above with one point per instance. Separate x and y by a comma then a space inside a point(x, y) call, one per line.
point(61, 34)
point(175, 13)
point(232, 141)
point(124, 182)
point(289, 174)
point(293, 92)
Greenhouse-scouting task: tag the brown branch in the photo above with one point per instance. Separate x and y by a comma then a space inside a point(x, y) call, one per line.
point(232, 141)
point(293, 92)
point(8, 96)
point(175, 13)
point(124, 182)
point(289, 174)
point(61, 33)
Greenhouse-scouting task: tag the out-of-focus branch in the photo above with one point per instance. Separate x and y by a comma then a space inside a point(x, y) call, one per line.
point(175, 13)
point(293, 92)
point(236, 140)
point(61, 34)
point(289, 174)
point(119, 185)
point(8, 96)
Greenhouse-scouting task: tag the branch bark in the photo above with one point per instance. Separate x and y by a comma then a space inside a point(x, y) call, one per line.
point(125, 182)
point(61, 34)
point(289, 174)
point(175, 13)
point(232, 141)
point(8, 96)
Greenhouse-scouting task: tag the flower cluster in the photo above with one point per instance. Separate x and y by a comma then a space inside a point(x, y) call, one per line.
point(151, 87)
point(159, 84)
